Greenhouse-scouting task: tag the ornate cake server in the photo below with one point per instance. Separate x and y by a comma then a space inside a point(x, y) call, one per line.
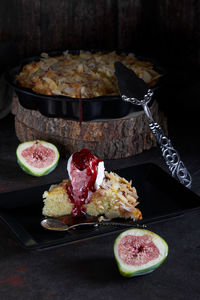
point(136, 91)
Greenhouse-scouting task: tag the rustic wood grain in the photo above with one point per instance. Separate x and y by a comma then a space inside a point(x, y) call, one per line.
point(26, 26)
point(109, 149)
point(128, 27)
point(168, 30)
point(108, 139)
point(179, 30)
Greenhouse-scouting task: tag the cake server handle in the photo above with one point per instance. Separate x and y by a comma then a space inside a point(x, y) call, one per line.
point(171, 156)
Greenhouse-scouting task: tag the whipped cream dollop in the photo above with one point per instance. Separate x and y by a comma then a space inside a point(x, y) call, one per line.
point(100, 172)
point(86, 173)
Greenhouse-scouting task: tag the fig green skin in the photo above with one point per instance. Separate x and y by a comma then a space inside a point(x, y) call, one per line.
point(141, 270)
point(28, 169)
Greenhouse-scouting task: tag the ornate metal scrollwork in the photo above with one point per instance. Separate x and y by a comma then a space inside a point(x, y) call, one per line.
point(171, 156)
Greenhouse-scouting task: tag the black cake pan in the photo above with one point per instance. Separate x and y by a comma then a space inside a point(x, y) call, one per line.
point(102, 107)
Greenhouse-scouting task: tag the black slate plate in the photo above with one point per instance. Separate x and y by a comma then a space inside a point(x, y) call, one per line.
point(103, 107)
point(160, 197)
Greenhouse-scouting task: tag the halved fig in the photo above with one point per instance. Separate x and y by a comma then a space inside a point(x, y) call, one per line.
point(139, 251)
point(37, 157)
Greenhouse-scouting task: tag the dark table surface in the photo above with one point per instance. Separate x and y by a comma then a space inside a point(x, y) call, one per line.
point(87, 269)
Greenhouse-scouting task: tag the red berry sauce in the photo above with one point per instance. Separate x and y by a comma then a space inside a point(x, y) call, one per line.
point(83, 171)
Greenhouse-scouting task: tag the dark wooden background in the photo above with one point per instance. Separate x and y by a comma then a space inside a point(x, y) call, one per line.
point(168, 30)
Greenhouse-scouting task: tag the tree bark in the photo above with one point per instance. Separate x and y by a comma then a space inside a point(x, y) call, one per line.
point(108, 139)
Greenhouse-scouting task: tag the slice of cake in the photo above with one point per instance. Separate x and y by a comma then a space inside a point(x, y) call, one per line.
point(90, 190)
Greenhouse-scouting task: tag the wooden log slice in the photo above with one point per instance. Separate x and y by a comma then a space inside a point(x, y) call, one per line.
point(108, 139)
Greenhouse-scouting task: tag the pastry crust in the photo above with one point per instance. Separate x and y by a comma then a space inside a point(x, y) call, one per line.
point(87, 74)
point(115, 198)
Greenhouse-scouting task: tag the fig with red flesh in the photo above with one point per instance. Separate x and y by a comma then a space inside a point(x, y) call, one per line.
point(37, 157)
point(139, 251)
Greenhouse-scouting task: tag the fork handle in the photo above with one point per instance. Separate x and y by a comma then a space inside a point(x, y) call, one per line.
point(171, 156)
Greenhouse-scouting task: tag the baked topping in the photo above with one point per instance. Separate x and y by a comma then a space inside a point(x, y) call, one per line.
point(91, 191)
point(88, 74)
point(113, 199)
